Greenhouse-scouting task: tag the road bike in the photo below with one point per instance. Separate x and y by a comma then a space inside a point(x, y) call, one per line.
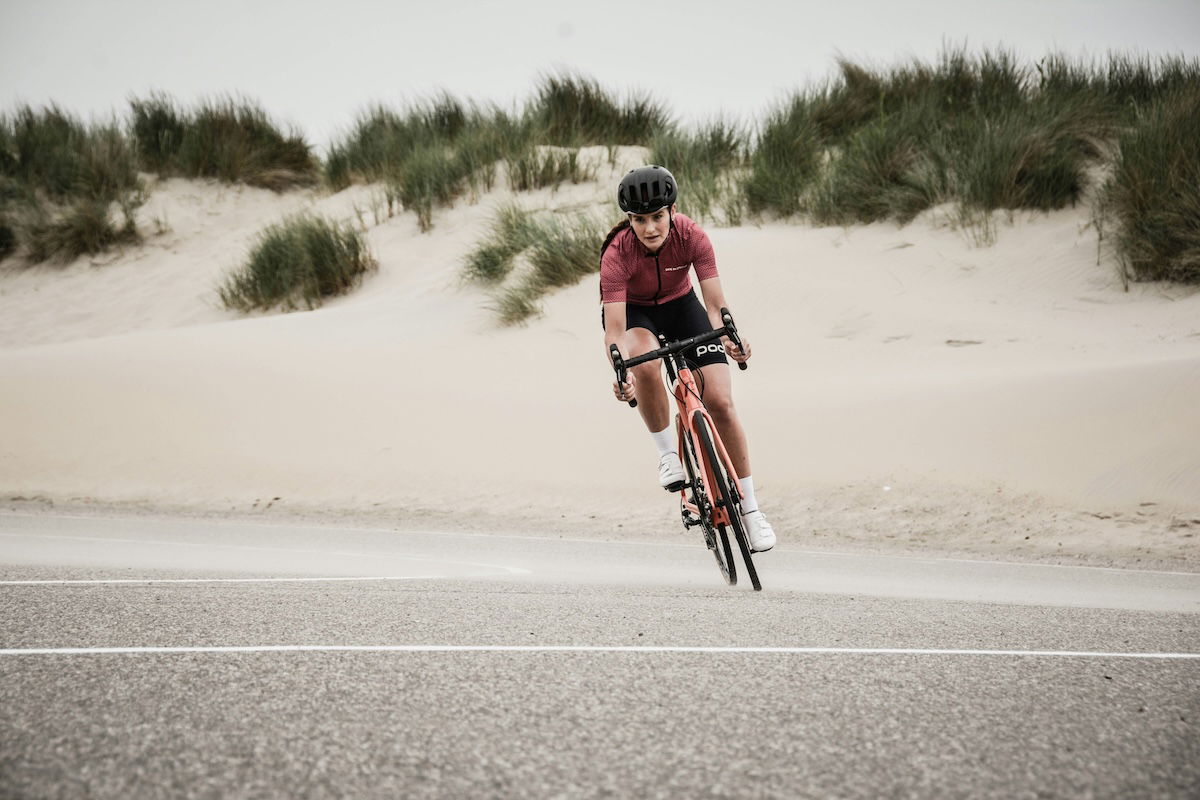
point(710, 497)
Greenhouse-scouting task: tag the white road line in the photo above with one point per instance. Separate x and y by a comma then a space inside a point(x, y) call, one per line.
point(645, 650)
point(222, 580)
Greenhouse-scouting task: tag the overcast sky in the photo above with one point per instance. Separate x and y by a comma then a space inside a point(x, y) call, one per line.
point(317, 64)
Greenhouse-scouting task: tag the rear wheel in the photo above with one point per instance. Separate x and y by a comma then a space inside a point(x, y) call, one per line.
point(724, 496)
point(717, 540)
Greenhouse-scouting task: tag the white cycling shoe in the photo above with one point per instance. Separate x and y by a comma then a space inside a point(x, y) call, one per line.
point(670, 472)
point(758, 531)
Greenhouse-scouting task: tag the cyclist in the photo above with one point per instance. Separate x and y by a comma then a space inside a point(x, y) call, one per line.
point(645, 290)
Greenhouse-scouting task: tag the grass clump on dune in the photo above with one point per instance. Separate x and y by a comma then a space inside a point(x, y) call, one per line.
point(382, 140)
point(63, 234)
point(1152, 198)
point(708, 162)
point(537, 168)
point(512, 231)
point(573, 111)
point(553, 251)
point(883, 170)
point(8, 238)
point(429, 155)
point(62, 183)
point(436, 151)
point(785, 160)
point(982, 131)
point(232, 140)
point(302, 260)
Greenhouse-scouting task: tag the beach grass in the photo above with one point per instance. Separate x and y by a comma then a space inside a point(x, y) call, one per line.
point(8, 238)
point(785, 159)
point(300, 261)
point(232, 140)
point(884, 170)
point(554, 250)
point(709, 161)
point(1152, 198)
point(61, 180)
point(429, 154)
point(511, 231)
point(52, 153)
point(541, 167)
point(980, 131)
point(571, 110)
point(84, 227)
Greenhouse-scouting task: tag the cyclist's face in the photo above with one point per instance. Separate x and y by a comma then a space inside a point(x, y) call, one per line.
point(651, 229)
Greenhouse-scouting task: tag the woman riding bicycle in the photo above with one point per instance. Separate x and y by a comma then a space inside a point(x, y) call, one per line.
point(646, 289)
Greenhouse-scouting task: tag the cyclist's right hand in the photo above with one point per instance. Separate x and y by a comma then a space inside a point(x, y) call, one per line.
point(624, 392)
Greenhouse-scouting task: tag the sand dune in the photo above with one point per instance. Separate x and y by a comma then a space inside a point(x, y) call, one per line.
point(992, 390)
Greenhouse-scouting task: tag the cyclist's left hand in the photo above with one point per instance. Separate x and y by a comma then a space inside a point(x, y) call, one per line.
point(740, 355)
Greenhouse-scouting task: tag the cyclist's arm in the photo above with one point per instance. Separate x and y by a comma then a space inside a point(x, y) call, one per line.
point(614, 332)
point(614, 328)
point(714, 301)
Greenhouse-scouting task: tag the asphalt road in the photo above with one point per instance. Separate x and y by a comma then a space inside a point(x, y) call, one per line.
point(204, 659)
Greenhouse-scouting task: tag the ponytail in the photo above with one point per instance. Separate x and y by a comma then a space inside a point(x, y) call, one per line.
point(620, 226)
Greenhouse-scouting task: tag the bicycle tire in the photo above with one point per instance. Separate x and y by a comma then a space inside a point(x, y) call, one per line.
point(724, 490)
point(716, 540)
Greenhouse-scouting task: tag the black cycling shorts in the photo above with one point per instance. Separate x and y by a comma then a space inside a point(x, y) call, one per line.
point(677, 319)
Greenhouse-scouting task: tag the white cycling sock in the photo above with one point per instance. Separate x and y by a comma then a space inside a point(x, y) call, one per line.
point(664, 440)
point(749, 504)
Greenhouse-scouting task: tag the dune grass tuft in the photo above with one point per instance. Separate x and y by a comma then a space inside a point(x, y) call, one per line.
point(60, 179)
point(707, 163)
point(786, 158)
point(537, 168)
point(886, 169)
point(982, 131)
point(1152, 198)
point(300, 261)
point(512, 231)
point(8, 238)
point(232, 140)
point(556, 251)
point(573, 111)
point(430, 154)
point(62, 234)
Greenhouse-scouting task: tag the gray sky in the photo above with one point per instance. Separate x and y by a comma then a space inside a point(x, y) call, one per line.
point(317, 64)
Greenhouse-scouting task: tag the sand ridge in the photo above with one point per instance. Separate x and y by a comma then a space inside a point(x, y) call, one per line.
point(909, 387)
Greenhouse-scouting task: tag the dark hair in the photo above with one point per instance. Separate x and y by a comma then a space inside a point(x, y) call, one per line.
point(620, 226)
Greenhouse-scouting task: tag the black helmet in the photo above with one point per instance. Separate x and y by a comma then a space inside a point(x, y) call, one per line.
point(647, 189)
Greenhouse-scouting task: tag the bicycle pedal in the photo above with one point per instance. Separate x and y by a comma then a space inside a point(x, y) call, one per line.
point(677, 486)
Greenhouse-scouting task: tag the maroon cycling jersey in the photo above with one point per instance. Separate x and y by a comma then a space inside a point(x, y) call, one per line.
point(629, 273)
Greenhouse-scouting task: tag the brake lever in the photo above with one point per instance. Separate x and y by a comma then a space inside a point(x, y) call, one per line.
point(727, 318)
point(619, 366)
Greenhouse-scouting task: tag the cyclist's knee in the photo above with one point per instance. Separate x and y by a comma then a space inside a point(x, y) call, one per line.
point(719, 404)
point(646, 374)
point(638, 341)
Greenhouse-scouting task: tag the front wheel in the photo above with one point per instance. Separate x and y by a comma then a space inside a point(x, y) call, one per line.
point(717, 540)
point(724, 496)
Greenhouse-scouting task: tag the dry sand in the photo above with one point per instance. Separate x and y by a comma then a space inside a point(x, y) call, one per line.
point(910, 389)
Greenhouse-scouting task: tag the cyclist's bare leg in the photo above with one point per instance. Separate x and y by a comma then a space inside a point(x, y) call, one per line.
point(718, 399)
point(653, 403)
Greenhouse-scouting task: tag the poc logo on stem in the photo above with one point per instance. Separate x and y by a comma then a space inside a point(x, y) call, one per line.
point(710, 348)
